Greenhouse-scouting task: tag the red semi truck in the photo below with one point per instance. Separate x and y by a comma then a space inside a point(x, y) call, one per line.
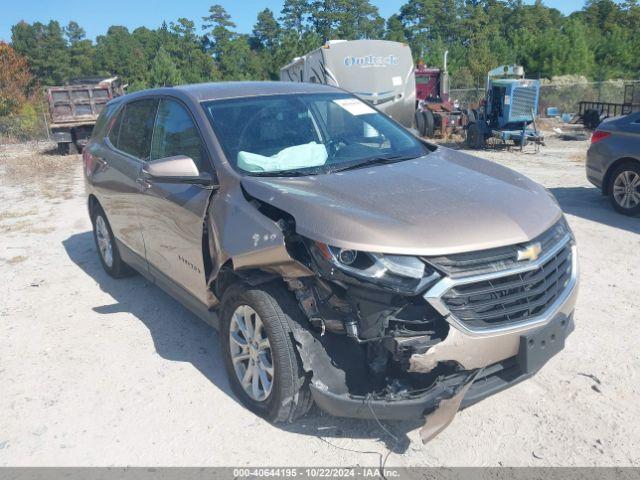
point(436, 114)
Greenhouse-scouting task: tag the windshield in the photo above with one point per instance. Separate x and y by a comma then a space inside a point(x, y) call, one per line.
point(307, 134)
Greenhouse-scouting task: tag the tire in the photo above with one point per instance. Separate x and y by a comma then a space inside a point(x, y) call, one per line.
point(289, 397)
point(591, 119)
point(429, 123)
point(63, 148)
point(471, 116)
point(419, 118)
point(475, 138)
point(102, 232)
point(624, 189)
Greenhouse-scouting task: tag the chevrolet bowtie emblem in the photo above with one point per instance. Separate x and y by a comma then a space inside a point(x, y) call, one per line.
point(531, 252)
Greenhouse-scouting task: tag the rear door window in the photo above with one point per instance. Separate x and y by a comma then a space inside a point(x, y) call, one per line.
point(103, 121)
point(137, 127)
point(114, 128)
point(176, 134)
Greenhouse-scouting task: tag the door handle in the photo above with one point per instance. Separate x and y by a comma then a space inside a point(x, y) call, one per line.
point(143, 184)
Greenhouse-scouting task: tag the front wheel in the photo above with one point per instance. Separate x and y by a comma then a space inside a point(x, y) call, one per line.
point(107, 247)
point(624, 189)
point(260, 357)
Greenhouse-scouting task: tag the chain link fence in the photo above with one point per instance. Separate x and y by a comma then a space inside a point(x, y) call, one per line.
point(562, 94)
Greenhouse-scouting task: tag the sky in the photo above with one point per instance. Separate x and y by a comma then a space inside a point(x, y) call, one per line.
point(95, 16)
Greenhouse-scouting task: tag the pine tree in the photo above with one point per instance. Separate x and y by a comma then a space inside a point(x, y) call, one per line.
point(164, 72)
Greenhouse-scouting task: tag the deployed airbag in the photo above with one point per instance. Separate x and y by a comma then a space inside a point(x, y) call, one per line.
point(299, 156)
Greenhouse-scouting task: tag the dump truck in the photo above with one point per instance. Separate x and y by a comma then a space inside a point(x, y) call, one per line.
point(74, 109)
point(380, 72)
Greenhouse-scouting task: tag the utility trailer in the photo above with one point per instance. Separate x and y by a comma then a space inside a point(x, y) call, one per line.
point(74, 109)
point(508, 112)
point(436, 115)
point(591, 114)
point(379, 72)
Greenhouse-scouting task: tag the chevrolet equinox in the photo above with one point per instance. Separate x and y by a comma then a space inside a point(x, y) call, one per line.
point(343, 260)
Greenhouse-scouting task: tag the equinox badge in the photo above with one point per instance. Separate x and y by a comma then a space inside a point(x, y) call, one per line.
point(531, 252)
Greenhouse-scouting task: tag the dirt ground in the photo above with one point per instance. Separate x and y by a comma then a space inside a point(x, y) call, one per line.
point(96, 371)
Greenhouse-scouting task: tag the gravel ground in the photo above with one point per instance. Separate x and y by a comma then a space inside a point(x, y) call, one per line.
point(96, 371)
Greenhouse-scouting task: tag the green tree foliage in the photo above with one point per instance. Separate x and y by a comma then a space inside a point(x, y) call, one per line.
point(80, 50)
point(163, 71)
point(121, 53)
point(346, 19)
point(45, 48)
point(295, 16)
point(600, 41)
point(394, 30)
point(266, 31)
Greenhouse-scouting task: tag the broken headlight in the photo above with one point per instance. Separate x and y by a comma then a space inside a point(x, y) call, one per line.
point(400, 273)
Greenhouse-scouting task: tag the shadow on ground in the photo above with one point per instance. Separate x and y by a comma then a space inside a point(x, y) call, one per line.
point(590, 204)
point(180, 336)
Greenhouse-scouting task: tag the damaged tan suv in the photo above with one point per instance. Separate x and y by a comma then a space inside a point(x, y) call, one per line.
point(343, 260)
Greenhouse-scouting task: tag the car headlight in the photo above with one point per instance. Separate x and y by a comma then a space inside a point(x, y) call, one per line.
point(400, 273)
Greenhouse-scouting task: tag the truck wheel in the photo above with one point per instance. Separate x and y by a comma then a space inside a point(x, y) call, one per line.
point(63, 148)
point(624, 189)
point(429, 123)
point(471, 116)
point(259, 354)
point(475, 138)
point(107, 247)
point(420, 123)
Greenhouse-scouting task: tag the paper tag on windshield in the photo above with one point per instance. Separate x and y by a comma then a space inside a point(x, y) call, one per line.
point(354, 106)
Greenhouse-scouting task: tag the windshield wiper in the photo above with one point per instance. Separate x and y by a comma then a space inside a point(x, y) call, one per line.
point(383, 160)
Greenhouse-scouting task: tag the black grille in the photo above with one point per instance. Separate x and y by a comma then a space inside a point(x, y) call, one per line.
point(495, 259)
point(512, 298)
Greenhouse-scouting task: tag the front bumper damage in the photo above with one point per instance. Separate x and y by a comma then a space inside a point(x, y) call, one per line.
point(441, 402)
point(377, 348)
point(444, 372)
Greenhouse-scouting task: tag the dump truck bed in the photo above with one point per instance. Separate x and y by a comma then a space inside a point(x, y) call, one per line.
point(71, 105)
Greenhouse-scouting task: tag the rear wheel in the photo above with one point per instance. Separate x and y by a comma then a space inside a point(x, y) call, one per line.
point(63, 148)
point(260, 356)
point(419, 118)
point(107, 247)
point(429, 123)
point(624, 189)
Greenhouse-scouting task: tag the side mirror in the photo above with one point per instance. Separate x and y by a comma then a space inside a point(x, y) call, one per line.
point(178, 169)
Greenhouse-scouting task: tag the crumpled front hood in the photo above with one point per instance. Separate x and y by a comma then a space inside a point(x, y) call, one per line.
point(446, 202)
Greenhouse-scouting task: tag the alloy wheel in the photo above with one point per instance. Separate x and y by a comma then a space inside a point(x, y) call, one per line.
point(104, 241)
point(626, 189)
point(251, 353)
